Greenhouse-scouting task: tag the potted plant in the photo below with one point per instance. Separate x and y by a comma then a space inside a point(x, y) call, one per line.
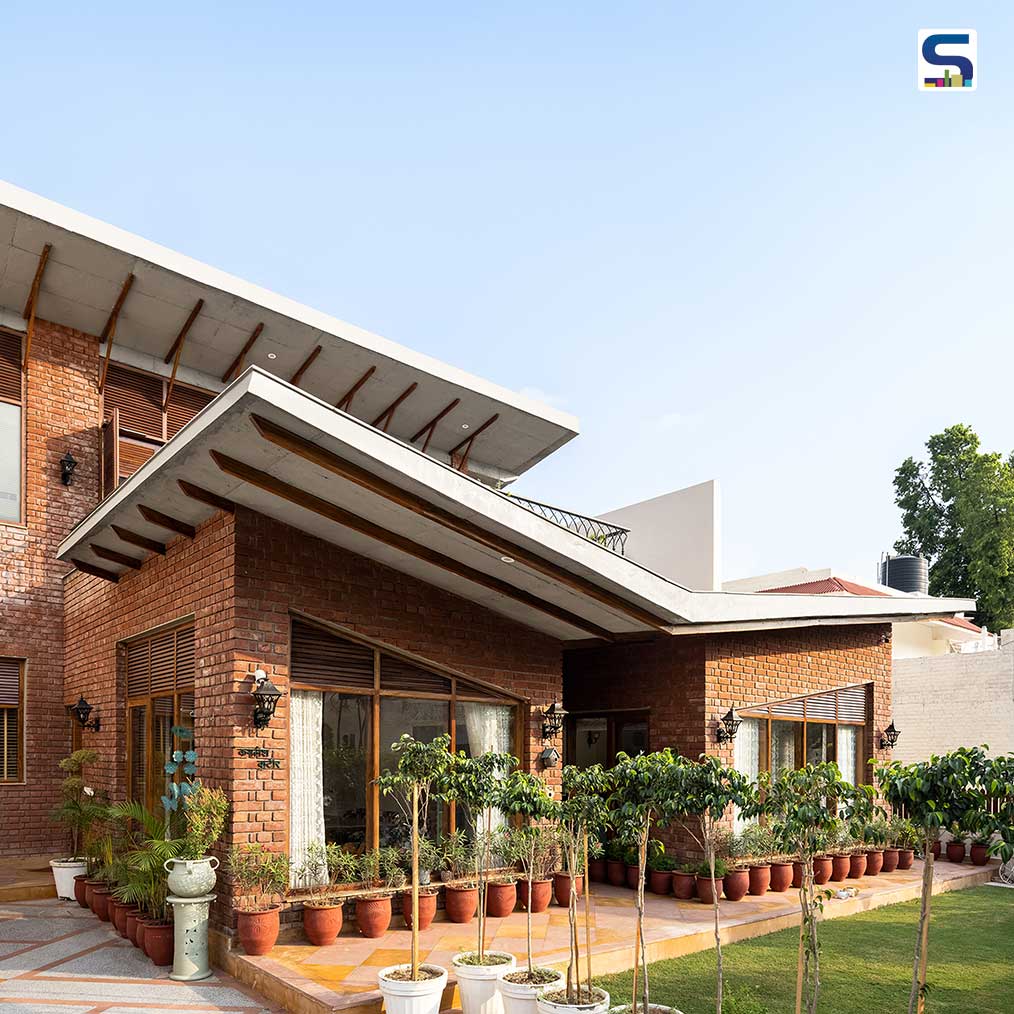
point(980, 841)
point(381, 873)
point(78, 809)
point(781, 860)
point(533, 846)
point(322, 911)
point(474, 783)
point(461, 895)
point(906, 836)
point(684, 882)
point(708, 889)
point(616, 867)
point(759, 845)
point(429, 859)
point(259, 877)
point(956, 845)
point(841, 846)
point(632, 870)
point(892, 853)
point(731, 848)
point(415, 988)
point(875, 835)
point(596, 861)
point(582, 812)
point(661, 867)
point(562, 882)
point(192, 873)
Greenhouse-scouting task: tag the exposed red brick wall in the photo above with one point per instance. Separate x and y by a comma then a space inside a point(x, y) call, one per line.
point(61, 414)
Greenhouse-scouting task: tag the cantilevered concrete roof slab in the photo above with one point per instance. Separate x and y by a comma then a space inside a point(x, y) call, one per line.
point(275, 449)
point(87, 269)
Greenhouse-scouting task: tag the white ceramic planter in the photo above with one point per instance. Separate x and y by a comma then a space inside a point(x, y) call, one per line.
point(191, 878)
point(477, 984)
point(521, 998)
point(64, 872)
point(407, 997)
point(549, 1007)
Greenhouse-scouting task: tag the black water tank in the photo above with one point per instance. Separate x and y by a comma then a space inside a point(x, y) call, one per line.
point(906, 573)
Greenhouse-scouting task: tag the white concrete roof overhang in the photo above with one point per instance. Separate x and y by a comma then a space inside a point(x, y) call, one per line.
point(86, 271)
point(286, 454)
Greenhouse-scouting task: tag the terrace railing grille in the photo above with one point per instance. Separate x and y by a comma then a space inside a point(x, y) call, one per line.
point(613, 537)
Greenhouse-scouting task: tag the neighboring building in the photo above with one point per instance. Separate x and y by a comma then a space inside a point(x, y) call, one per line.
point(260, 488)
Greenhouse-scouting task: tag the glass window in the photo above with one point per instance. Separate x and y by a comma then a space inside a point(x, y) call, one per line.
point(820, 742)
point(591, 741)
point(633, 738)
point(345, 742)
point(786, 739)
point(10, 462)
point(139, 753)
point(848, 740)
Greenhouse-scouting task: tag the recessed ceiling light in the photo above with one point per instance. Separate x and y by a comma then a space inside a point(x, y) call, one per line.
point(271, 355)
point(507, 559)
point(464, 426)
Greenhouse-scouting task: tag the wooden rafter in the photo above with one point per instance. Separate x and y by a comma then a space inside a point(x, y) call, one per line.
point(177, 350)
point(113, 557)
point(205, 496)
point(307, 363)
point(387, 415)
point(429, 428)
point(237, 364)
point(33, 300)
point(324, 458)
point(345, 405)
point(109, 331)
point(90, 568)
point(154, 517)
point(468, 442)
point(323, 508)
point(141, 541)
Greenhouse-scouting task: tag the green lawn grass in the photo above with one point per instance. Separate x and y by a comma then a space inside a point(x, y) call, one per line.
point(866, 963)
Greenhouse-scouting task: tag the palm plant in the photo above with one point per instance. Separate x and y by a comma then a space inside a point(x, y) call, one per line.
point(148, 846)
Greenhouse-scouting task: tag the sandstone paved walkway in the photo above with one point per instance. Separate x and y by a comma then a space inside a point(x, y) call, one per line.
point(57, 958)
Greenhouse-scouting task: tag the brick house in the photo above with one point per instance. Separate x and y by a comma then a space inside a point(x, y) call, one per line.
point(263, 492)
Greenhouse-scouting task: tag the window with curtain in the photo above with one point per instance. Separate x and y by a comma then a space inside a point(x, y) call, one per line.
point(749, 747)
point(11, 440)
point(350, 701)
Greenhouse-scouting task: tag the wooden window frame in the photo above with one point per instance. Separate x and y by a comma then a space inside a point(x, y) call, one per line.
point(19, 713)
point(22, 519)
point(496, 695)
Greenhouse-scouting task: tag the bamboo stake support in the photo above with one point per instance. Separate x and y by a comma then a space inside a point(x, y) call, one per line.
point(415, 882)
point(587, 916)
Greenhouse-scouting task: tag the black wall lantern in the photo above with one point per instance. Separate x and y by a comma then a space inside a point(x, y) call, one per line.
point(81, 711)
point(265, 695)
point(552, 720)
point(728, 726)
point(889, 738)
point(67, 466)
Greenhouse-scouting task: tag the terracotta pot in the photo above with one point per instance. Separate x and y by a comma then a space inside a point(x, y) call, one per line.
point(633, 875)
point(980, 855)
point(542, 894)
point(561, 888)
point(659, 881)
point(703, 888)
point(797, 874)
point(781, 877)
point(461, 903)
point(322, 924)
point(874, 862)
point(735, 884)
point(258, 931)
point(373, 915)
point(80, 889)
point(760, 879)
point(905, 858)
point(90, 886)
point(132, 920)
point(119, 920)
point(616, 872)
point(955, 853)
point(840, 866)
point(890, 860)
point(158, 942)
point(501, 899)
point(597, 870)
point(935, 849)
point(684, 886)
point(427, 909)
point(823, 867)
point(100, 902)
point(139, 933)
point(857, 866)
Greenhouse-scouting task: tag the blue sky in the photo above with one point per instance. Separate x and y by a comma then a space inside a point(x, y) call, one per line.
point(736, 241)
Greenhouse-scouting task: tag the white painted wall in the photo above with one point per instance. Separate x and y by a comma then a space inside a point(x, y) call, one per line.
point(676, 535)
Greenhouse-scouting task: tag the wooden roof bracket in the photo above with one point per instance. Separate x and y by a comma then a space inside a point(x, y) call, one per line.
point(177, 350)
point(237, 364)
point(387, 415)
point(109, 331)
point(345, 405)
point(33, 301)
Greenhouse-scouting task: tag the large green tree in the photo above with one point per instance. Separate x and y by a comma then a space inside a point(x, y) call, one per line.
point(958, 511)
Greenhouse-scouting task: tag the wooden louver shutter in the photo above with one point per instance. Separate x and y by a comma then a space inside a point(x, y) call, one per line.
point(397, 674)
point(10, 682)
point(138, 396)
point(161, 664)
point(184, 404)
point(132, 455)
point(10, 366)
point(325, 660)
point(9, 745)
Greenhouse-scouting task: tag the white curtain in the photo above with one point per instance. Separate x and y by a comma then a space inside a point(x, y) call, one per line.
point(306, 776)
point(847, 740)
point(489, 729)
point(747, 759)
point(783, 746)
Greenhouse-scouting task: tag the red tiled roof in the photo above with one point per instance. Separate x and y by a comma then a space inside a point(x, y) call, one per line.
point(827, 586)
point(960, 621)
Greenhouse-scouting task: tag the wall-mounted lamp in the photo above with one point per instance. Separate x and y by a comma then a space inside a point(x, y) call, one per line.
point(552, 720)
point(265, 695)
point(889, 738)
point(728, 726)
point(67, 466)
point(81, 711)
point(549, 758)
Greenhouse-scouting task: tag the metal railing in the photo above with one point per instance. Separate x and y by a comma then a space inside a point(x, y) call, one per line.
point(613, 537)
